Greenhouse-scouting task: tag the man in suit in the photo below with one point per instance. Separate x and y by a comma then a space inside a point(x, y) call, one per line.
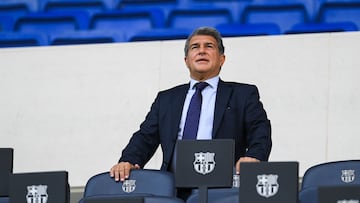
point(229, 111)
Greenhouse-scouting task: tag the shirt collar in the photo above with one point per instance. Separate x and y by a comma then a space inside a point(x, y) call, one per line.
point(213, 82)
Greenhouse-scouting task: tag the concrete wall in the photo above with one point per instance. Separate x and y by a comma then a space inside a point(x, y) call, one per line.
point(75, 107)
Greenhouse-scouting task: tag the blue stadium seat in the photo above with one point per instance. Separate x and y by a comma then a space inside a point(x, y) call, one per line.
point(237, 29)
point(197, 17)
point(89, 6)
point(217, 195)
point(322, 27)
point(141, 183)
point(309, 5)
point(342, 11)
point(13, 39)
point(160, 34)
point(4, 199)
point(14, 9)
point(285, 16)
point(127, 21)
point(235, 7)
point(164, 5)
point(16, 5)
point(52, 22)
point(7, 23)
point(85, 37)
point(328, 174)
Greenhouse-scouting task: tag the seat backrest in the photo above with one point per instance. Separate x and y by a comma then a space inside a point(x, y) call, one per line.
point(181, 18)
point(128, 21)
point(143, 182)
point(340, 12)
point(345, 172)
point(285, 16)
point(14, 39)
point(217, 195)
point(89, 6)
point(52, 22)
point(6, 168)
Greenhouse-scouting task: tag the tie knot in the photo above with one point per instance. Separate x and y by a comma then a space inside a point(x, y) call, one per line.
point(201, 85)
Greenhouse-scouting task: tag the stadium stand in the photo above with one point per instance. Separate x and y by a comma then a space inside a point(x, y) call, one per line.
point(145, 20)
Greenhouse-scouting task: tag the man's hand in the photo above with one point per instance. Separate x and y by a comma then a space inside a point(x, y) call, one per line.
point(244, 159)
point(121, 171)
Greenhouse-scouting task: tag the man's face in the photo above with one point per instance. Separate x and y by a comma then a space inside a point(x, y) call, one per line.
point(203, 58)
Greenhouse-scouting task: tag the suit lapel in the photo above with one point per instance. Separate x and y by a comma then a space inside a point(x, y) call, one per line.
point(176, 109)
point(223, 94)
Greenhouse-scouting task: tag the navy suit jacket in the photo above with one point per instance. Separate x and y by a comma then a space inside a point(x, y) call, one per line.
point(239, 115)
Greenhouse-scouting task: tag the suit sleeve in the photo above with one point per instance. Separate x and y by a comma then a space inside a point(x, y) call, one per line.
point(145, 141)
point(258, 128)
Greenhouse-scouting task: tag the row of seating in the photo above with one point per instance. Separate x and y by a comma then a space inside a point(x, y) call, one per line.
point(141, 184)
point(86, 21)
point(325, 174)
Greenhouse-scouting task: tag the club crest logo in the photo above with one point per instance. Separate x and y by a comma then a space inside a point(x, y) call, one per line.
point(348, 201)
point(129, 186)
point(37, 194)
point(267, 185)
point(348, 176)
point(204, 163)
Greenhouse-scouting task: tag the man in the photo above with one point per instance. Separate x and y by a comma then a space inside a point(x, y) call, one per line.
point(229, 111)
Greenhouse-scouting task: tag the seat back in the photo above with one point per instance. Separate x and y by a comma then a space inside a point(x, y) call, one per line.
point(194, 18)
point(52, 22)
point(217, 195)
point(14, 39)
point(142, 182)
point(6, 168)
point(340, 12)
point(285, 16)
point(89, 6)
point(127, 21)
point(332, 173)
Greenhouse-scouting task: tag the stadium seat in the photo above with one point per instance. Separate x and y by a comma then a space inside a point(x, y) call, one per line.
point(237, 29)
point(127, 21)
point(7, 23)
point(89, 6)
point(331, 12)
point(6, 168)
point(141, 183)
point(4, 200)
point(52, 22)
point(197, 17)
point(217, 195)
point(19, 5)
point(84, 37)
point(285, 16)
point(322, 27)
point(13, 9)
point(160, 34)
point(328, 174)
point(165, 5)
point(14, 39)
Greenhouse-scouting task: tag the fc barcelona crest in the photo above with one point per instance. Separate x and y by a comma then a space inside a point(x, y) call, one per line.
point(267, 185)
point(204, 162)
point(129, 186)
point(348, 176)
point(37, 194)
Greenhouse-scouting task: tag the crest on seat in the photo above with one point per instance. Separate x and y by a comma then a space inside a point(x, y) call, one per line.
point(347, 176)
point(129, 186)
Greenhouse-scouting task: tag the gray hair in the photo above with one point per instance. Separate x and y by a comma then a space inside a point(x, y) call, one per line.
point(206, 31)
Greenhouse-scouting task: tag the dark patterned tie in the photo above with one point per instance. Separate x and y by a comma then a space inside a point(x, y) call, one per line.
point(193, 115)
